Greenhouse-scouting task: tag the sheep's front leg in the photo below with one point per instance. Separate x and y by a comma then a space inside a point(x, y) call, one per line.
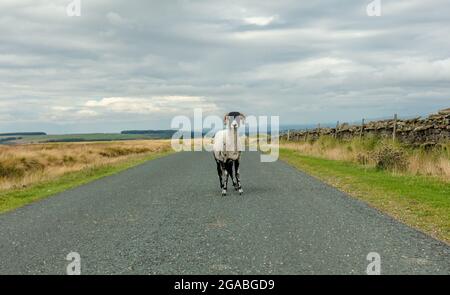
point(225, 182)
point(238, 176)
point(220, 173)
point(229, 167)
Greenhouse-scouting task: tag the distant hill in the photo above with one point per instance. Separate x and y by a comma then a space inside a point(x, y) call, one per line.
point(152, 133)
point(7, 140)
point(23, 134)
point(88, 137)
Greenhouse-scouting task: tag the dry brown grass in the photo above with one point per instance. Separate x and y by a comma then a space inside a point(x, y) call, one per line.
point(23, 165)
point(435, 163)
point(310, 149)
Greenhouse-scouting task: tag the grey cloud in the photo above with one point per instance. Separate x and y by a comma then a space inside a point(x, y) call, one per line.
point(315, 61)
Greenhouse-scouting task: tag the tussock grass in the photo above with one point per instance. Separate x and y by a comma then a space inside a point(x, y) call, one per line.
point(24, 165)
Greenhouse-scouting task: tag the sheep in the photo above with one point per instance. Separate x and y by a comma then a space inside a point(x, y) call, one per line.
point(227, 152)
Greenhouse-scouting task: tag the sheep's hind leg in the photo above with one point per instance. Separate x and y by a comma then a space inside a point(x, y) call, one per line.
point(238, 177)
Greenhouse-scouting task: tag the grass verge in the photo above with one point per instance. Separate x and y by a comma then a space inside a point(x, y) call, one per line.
point(419, 201)
point(15, 198)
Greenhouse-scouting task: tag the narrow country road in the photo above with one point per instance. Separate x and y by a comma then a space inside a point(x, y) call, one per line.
point(167, 217)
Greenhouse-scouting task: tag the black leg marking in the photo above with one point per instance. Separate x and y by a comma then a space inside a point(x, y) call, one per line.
point(238, 176)
point(229, 167)
point(225, 182)
point(220, 173)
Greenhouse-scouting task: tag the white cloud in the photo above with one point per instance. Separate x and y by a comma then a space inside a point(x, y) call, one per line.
point(115, 19)
point(175, 98)
point(124, 105)
point(305, 36)
point(418, 70)
point(87, 113)
point(302, 69)
point(155, 104)
point(260, 20)
point(62, 108)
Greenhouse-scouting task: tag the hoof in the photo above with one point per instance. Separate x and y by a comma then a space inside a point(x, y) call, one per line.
point(241, 191)
point(224, 193)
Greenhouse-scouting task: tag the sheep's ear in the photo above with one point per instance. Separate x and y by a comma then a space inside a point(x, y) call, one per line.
point(225, 119)
point(242, 117)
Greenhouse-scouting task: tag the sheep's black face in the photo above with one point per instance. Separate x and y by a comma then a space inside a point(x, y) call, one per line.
point(235, 119)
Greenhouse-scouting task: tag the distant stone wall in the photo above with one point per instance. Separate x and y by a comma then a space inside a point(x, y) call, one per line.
point(427, 131)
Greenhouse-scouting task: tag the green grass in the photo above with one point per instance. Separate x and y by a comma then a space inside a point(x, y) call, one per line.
point(82, 137)
point(419, 201)
point(12, 199)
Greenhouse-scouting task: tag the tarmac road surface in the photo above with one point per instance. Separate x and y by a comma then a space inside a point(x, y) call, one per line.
point(167, 216)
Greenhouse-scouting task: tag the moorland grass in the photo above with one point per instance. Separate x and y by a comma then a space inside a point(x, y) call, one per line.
point(32, 172)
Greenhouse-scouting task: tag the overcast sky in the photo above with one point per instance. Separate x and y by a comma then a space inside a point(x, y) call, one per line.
point(136, 64)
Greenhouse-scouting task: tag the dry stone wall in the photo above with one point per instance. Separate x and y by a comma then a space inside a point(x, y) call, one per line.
point(418, 131)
